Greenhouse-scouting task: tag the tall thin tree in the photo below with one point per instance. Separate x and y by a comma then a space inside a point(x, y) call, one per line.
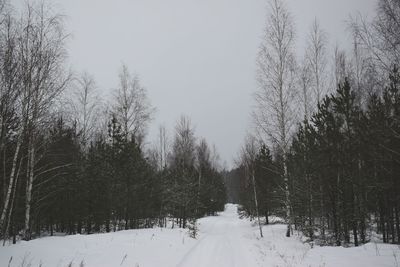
point(275, 98)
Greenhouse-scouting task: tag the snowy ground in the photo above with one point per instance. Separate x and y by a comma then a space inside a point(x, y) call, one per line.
point(223, 240)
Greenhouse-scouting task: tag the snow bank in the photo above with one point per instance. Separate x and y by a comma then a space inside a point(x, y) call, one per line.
point(277, 250)
point(136, 248)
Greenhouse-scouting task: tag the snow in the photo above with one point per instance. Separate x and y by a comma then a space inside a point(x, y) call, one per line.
point(223, 240)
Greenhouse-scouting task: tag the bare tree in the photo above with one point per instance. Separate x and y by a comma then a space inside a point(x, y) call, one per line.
point(184, 145)
point(275, 98)
point(341, 67)
point(247, 158)
point(380, 37)
point(9, 82)
point(306, 96)
point(42, 53)
point(387, 27)
point(360, 67)
point(163, 146)
point(363, 69)
point(203, 153)
point(215, 159)
point(158, 153)
point(10, 90)
point(132, 107)
point(86, 105)
point(316, 55)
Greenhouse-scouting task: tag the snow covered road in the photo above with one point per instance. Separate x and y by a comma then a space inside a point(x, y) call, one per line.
point(223, 241)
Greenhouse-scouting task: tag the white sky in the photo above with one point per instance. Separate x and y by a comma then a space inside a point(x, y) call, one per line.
point(195, 57)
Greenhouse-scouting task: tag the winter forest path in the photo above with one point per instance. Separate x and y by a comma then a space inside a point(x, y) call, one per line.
point(225, 241)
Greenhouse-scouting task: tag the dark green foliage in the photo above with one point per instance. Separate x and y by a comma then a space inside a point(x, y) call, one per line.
point(268, 186)
point(111, 186)
point(344, 168)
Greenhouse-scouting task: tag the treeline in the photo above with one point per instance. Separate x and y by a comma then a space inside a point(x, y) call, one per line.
point(344, 167)
point(72, 163)
point(332, 172)
point(114, 185)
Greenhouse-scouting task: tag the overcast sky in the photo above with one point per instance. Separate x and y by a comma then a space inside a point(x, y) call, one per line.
point(195, 57)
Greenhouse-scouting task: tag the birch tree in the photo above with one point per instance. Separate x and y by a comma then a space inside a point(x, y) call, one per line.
point(9, 96)
point(275, 97)
point(248, 156)
point(380, 36)
point(163, 146)
point(86, 105)
point(131, 105)
point(341, 67)
point(316, 55)
point(364, 71)
point(306, 95)
point(42, 53)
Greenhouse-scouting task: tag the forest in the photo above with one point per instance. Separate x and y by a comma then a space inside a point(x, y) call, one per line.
point(325, 155)
point(72, 162)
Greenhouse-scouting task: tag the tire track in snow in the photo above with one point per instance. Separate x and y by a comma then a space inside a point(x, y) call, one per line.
point(223, 243)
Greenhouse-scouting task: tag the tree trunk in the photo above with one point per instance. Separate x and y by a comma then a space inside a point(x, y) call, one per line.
point(108, 225)
point(29, 186)
point(310, 207)
point(355, 234)
point(256, 201)
point(198, 194)
point(397, 224)
point(10, 213)
point(287, 197)
point(11, 180)
point(382, 224)
point(335, 224)
point(322, 217)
